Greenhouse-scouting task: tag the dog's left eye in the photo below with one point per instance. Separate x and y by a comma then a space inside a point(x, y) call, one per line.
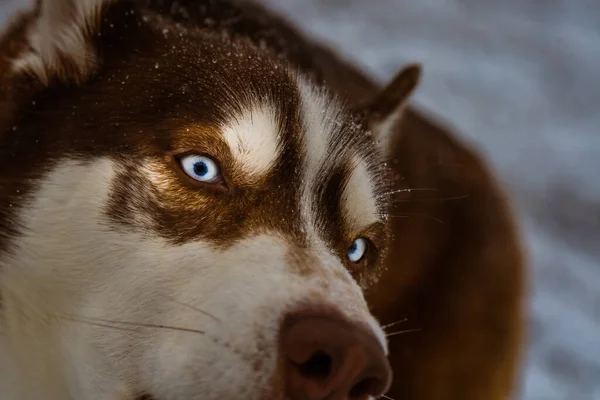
point(201, 168)
point(357, 250)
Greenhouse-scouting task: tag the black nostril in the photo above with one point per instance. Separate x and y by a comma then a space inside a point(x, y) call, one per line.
point(317, 367)
point(363, 388)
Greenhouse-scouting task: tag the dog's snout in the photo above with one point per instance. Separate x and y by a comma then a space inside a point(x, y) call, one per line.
point(329, 358)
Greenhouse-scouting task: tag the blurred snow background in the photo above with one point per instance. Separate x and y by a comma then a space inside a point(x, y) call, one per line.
point(521, 80)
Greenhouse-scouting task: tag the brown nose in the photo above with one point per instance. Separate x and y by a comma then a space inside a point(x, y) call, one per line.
point(330, 359)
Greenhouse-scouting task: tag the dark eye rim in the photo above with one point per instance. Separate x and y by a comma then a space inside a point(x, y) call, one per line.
point(221, 184)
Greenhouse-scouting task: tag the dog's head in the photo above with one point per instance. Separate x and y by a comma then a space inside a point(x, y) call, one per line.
point(184, 215)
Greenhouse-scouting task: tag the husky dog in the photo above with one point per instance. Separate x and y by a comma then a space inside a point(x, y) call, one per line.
point(193, 202)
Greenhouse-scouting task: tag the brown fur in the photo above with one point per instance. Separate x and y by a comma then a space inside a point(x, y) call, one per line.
point(161, 121)
point(455, 268)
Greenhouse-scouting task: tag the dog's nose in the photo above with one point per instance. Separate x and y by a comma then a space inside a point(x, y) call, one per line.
point(330, 359)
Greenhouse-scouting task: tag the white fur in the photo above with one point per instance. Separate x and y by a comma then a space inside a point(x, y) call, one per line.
point(320, 115)
point(61, 29)
point(71, 264)
point(358, 202)
point(253, 138)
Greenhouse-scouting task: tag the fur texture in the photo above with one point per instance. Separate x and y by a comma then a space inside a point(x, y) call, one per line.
point(120, 274)
point(121, 277)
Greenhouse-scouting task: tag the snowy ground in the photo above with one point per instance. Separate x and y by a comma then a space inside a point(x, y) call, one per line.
point(517, 78)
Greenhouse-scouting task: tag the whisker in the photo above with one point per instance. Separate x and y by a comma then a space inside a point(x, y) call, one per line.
point(408, 190)
point(194, 308)
point(431, 166)
point(450, 198)
point(402, 332)
point(106, 323)
point(383, 396)
point(406, 215)
point(101, 325)
point(400, 321)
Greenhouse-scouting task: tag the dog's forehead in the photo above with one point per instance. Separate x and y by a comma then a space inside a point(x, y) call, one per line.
point(304, 164)
point(274, 126)
point(273, 130)
point(298, 150)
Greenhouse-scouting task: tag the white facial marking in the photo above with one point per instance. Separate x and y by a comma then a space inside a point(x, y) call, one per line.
point(358, 201)
point(253, 138)
point(74, 275)
point(320, 115)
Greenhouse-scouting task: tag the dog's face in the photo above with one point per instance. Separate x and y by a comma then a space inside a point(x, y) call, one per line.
point(179, 205)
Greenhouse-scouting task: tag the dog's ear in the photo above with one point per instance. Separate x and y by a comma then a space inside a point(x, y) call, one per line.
point(59, 40)
point(385, 110)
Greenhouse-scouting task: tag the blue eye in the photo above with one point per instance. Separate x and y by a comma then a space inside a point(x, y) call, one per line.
point(200, 168)
point(357, 250)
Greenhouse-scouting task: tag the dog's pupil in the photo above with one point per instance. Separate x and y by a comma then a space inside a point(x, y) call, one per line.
point(352, 248)
point(200, 168)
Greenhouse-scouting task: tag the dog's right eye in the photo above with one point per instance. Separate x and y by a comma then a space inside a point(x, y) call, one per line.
point(201, 168)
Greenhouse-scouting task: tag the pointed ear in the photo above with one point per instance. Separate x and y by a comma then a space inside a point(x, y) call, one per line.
point(60, 40)
point(385, 111)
